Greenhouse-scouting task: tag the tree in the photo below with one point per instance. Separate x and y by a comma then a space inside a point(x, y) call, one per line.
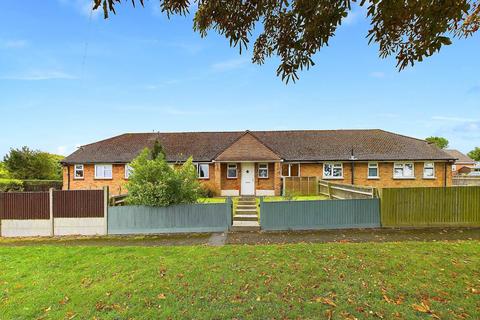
point(27, 164)
point(155, 183)
point(475, 154)
point(157, 151)
point(440, 142)
point(4, 174)
point(295, 30)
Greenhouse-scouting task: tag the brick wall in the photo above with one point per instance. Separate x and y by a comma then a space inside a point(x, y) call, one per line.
point(266, 184)
point(386, 175)
point(116, 184)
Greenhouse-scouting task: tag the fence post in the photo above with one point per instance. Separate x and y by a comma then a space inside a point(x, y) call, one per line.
point(105, 208)
point(50, 207)
point(260, 210)
point(329, 190)
point(229, 212)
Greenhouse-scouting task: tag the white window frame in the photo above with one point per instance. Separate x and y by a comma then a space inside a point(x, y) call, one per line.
point(454, 167)
point(199, 165)
point(403, 164)
point(75, 171)
point(290, 168)
point(373, 165)
point(333, 164)
point(265, 167)
point(128, 170)
point(431, 166)
point(97, 177)
point(232, 166)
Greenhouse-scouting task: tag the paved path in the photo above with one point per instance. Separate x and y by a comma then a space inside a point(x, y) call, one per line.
point(255, 237)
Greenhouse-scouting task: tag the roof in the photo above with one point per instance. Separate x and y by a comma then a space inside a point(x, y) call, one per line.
point(300, 145)
point(461, 157)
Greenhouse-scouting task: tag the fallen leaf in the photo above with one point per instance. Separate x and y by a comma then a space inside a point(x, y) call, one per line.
point(161, 296)
point(326, 301)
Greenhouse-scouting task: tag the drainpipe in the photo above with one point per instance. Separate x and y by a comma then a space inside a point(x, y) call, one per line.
point(445, 173)
point(352, 157)
point(68, 177)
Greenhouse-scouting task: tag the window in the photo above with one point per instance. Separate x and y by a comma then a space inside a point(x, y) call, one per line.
point(429, 170)
point(103, 171)
point(78, 171)
point(404, 170)
point(263, 170)
point(291, 170)
point(373, 170)
point(231, 171)
point(333, 170)
point(454, 167)
point(128, 171)
point(202, 170)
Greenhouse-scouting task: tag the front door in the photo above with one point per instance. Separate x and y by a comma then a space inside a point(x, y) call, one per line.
point(248, 179)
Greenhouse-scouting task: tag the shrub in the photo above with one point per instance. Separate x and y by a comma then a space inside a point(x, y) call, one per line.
point(155, 183)
point(11, 185)
point(208, 190)
point(42, 185)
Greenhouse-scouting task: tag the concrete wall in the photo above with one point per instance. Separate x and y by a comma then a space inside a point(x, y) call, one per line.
point(80, 226)
point(26, 228)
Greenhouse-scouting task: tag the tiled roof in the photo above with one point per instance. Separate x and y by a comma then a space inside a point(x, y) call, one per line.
point(462, 158)
point(304, 145)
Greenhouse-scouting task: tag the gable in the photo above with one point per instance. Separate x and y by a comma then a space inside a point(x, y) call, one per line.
point(247, 148)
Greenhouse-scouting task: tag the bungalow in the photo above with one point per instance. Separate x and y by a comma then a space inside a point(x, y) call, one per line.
point(254, 162)
point(463, 163)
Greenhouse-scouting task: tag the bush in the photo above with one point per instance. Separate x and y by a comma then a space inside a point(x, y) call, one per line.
point(155, 183)
point(11, 185)
point(42, 185)
point(208, 191)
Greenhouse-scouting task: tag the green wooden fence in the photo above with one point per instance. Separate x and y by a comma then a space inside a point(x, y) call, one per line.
point(212, 217)
point(420, 207)
point(323, 214)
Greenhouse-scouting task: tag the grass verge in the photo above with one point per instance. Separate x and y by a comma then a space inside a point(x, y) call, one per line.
point(410, 280)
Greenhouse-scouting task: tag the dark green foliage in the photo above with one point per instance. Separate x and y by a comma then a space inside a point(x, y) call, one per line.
point(157, 151)
point(295, 30)
point(11, 185)
point(42, 185)
point(475, 154)
point(4, 174)
point(25, 163)
point(155, 183)
point(440, 142)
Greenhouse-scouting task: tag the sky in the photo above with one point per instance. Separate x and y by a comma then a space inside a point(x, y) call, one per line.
point(68, 77)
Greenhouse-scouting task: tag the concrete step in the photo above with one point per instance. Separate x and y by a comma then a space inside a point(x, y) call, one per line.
point(246, 203)
point(247, 206)
point(245, 217)
point(246, 211)
point(245, 226)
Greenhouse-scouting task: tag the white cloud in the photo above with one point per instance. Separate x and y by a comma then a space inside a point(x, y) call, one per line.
point(39, 75)
point(229, 64)
point(454, 119)
point(377, 74)
point(15, 44)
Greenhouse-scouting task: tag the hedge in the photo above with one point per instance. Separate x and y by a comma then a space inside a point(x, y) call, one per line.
point(11, 185)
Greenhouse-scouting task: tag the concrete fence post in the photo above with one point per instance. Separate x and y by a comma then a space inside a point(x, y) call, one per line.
point(105, 208)
point(50, 205)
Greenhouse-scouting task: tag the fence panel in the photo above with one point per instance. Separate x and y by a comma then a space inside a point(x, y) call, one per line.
point(214, 217)
point(345, 191)
point(466, 181)
point(78, 204)
point(323, 214)
point(300, 186)
point(420, 207)
point(24, 205)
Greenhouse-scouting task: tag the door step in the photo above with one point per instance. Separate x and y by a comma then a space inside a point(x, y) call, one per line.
point(246, 217)
point(245, 226)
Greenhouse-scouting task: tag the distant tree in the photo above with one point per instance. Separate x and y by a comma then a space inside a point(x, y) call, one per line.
point(155, 183)
point(4, 174)
point(157, 151)
point(440, 142)
point(475, 154)
point(295, 30)
point(26, 164)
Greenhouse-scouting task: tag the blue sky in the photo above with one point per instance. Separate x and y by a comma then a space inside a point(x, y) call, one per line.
point(68, 80)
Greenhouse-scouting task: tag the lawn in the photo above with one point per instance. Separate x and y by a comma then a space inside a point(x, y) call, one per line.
point(296, 198)
point(211, 200)
point(409, 280)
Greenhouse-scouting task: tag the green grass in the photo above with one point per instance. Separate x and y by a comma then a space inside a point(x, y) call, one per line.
point(211, 200)
point(296, 198)
point(308, 281)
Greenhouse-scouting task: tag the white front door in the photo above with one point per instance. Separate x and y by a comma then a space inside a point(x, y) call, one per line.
point(248, 179)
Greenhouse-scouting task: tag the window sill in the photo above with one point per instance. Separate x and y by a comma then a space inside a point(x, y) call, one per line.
point(102, 178)
point(79, 179)
point(263, 178)
point(203, 178)
point(373, 178)
point(232, 178)
point(406, 178)
point(333, 178)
